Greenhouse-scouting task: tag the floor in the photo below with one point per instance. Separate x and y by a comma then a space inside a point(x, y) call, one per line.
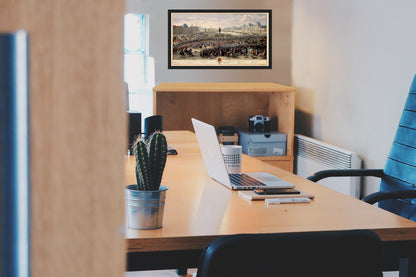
point(391, 274)
point(159, 273)
point(192, 273)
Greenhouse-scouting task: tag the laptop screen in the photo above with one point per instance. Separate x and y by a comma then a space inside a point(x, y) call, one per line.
point(211, 152)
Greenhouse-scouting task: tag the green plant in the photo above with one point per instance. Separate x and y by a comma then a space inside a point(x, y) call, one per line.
point(150, 161)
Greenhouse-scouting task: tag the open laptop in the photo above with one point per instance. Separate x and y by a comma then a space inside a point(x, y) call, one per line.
point(217, 170)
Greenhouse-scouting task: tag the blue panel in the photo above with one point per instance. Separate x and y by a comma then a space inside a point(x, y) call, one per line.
point(411, 102)
point(400, 167)
point(413, 86)
point(400, 171)
point(404, 154)
point(408, 119)
point(406, 136)
point(402, 207)
point(14, 156)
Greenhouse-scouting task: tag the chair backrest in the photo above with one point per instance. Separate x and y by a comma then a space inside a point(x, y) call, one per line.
point(400, 168)
point(335, 253)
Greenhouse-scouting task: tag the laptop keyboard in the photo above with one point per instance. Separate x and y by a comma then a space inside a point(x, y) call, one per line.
point(244, 181)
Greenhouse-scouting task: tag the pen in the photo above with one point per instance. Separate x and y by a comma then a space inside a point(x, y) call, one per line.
point(287, 200)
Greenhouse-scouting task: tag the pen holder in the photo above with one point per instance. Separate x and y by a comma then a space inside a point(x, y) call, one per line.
point(144, 209)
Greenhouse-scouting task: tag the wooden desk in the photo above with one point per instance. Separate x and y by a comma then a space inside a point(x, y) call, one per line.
point(198, 210)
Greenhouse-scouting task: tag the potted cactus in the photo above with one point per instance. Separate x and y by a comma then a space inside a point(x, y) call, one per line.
point(145, 200)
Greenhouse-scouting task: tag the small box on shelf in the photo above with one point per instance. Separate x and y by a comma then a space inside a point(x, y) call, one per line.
point(263, 144)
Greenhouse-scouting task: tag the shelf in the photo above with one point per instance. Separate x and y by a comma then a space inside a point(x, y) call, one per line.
point(228, 104)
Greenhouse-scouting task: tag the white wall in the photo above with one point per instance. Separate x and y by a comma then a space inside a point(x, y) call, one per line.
point(350, 61)
point(352, 64)
point(281, 40)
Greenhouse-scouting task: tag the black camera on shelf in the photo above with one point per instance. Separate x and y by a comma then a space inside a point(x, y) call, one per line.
point(259, 124)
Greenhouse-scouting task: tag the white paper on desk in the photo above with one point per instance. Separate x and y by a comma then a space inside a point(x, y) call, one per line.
point(251, 195)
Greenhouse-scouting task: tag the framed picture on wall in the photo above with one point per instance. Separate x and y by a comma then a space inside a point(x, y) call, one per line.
point(214, 39)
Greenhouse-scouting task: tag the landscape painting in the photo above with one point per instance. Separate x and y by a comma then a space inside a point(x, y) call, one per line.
point(219, 39)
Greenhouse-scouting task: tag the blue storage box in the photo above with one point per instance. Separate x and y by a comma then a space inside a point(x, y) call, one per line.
point(263, 144)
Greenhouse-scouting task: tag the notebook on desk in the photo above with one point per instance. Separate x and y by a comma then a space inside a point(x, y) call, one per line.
point(217, 170)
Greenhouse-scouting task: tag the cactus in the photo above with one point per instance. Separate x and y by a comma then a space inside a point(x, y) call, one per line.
point(150, 161)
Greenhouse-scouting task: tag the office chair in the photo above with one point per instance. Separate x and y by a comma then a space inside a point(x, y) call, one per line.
point(325, 254)
point(397, 188)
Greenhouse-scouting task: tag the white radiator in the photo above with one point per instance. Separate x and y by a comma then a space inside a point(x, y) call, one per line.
point(312, 155)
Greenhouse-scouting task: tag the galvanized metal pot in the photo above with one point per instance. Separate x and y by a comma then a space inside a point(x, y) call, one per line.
point(144, 209)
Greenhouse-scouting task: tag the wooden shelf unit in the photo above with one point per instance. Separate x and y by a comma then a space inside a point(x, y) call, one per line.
point(228, 104)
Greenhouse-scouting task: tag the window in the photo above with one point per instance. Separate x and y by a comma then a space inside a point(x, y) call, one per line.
point(138, 65)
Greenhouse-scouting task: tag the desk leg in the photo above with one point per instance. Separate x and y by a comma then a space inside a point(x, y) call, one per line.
point(182, 271)
point(180, 260)
point(407, 267)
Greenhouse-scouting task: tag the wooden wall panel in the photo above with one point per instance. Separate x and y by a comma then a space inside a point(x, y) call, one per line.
point(229, 104)
point(78, 133)
point(229, 108)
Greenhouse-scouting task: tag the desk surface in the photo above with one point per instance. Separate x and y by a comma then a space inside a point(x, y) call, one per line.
point(198, 209)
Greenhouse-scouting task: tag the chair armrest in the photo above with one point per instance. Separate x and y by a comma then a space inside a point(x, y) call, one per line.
point(384, 195)
point(345, 173)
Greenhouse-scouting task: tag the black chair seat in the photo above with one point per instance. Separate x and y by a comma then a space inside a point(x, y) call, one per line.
point(336, 253)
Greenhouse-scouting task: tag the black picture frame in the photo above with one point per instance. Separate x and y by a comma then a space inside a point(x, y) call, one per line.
point(241, 40)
